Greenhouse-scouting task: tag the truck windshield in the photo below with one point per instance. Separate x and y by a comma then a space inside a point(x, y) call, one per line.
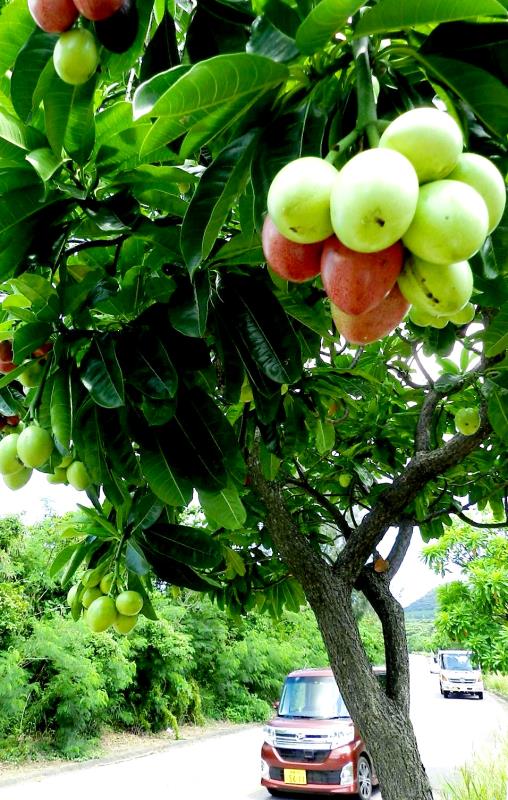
point(457, 661)
point(312, 698)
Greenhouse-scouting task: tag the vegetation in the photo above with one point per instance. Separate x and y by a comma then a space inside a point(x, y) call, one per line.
point(483, 779)
point(422, 609)
point(144, 335)
point(61, 685)
point(497, 683)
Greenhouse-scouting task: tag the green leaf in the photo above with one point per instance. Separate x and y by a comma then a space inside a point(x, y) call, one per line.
point(28, 337)
point(146, 510)
point(149, 92)
point(391, 15)
point(61, 411)
point(162, 478)
point(325, 436)
point(268, 40)
point(63, 558)
point(188, 310)
point(193, 547)
point(325, 19)
point(44, 162)
point(41, 294)
point(240, 249)
point(135, 560)
point(234, 561)
point(497, 409)
point(101, 374)
point(496, 335)
point(487, 96)
point(224, 509)
point(69, 116)
point(31, 60)
point(218, 189)
point(16, 26)
point(18, 134)
point(151, 371)
point(208, 89)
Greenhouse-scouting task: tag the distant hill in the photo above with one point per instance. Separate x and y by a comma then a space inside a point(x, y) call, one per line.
point(423, 608)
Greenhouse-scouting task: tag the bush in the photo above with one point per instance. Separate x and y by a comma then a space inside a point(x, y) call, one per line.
point(484, 779)
point(497, 683)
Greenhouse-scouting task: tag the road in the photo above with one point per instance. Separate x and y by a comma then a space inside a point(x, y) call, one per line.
point(226, 767)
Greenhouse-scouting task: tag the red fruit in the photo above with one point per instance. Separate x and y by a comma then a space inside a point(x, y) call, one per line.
point(98, 9)
point(41, 351)
point(12, 421)
point(374, 324)
point(6, 364)
point(53, 16)
point(292, 261)
point(356, 282)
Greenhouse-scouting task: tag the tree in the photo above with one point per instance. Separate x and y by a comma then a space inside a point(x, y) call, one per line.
point(130, 218)
point(474, 610)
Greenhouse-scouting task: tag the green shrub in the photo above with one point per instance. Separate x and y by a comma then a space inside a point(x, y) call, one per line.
point(484, 779)
point(497, 683)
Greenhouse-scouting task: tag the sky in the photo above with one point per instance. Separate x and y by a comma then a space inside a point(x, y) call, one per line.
point(39, 498)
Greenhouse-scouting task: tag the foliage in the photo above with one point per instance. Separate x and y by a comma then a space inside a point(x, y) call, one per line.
point(474, 611)
point(484, 779)
point(497, 683)
point(420, 635)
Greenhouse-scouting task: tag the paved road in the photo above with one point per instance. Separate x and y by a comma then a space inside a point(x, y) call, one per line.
point(226, 767)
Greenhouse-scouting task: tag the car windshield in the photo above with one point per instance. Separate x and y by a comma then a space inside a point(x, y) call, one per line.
point(458, 661)
point(312, 697)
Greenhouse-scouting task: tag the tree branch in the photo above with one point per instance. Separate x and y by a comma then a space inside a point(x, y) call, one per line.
point(400, 547)
point(332, 510)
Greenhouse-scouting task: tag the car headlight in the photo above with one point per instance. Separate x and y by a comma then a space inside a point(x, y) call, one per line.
point(265, 769)
point(347, 774)
point(269, 734)
point(342, 736)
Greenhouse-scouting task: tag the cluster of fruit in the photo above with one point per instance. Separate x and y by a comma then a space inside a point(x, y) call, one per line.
point(92, 597)
point(21, 453)
point(76, 54)
point(393, 228)
point(32, 375)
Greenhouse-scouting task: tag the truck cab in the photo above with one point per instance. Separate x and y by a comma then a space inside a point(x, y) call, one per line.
point(459, 673)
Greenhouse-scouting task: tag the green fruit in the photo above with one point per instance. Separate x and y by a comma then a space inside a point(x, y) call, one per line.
point(9, 459)
point(299, 199)
point(16, 480)
point(430, 139)
point(438, 322)
point(107, 582)
point(420, 317)
point(90, 578)
point(35, 446)
point(464, 316)
point(58, 476)
point(373, 200)
point(436, 289)
point(129, 603)
point(66, 462)
point(450, 223)
point(124, 624)
point(101, 614)
point(71, 594)
point(78, 476)
point(89, 595)
point(345, 479)
point(482, 175)
point(32, 376)
point(467, 420)
point(76, 56)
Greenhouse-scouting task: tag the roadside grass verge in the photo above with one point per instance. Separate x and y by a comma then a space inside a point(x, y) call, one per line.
point(497, 683)
point(482, 779)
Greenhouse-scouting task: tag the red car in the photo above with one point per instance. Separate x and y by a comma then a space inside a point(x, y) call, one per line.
point(312, 745)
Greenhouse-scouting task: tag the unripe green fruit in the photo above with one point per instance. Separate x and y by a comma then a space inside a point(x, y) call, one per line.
point(467, 420)
point(66, 462)
point(16, 480)
point(76, 56)
point(9, 459)
point(71, 594)
point(484, 176)
point(299, 200)
point(107, 582)
point(35, 446)
point(58, 476)
point(101, 614)
point(32, 376)
point(438, 322)
point(345, 479)
point(78, 476)
point(129, 603)
point(89, 595)
point(420, 317)
point(430, 139)
point(124, 624)
point(90, 578)
point(464, 316)
point(450, 223)
point(437, 289)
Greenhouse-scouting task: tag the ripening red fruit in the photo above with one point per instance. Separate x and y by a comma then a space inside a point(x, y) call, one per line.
point(356, 282)
point(292, 261)
point(6, 364)
point(374, 324)
point(43, 350)
point(98, 9)
point(53, 16)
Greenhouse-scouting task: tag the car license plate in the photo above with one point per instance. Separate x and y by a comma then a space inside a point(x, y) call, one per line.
point(297, 776)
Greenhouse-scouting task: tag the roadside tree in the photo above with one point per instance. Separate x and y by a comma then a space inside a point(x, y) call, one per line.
point(151, 341)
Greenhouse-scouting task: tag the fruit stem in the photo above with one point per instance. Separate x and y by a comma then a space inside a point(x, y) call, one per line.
point(367, 114)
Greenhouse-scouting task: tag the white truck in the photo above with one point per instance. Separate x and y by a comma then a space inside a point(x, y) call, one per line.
point(458, 673)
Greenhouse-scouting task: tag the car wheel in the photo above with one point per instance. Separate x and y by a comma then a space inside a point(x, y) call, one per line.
point(480, 695)
point(364, 778)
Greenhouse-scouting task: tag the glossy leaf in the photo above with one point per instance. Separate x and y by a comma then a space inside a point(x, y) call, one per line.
point(16, 25)
point(147, 365)
point(61, 410)
point(496, 335)
point(498, 412)
point(392, 15)
point(135, 560)
point(69, 117)
point(325, 19)
point(28, 337)
point(26, 73)
point(161, 476)
point(224, 509)
point(188, 310)
point(191, 546)
point(101, 374)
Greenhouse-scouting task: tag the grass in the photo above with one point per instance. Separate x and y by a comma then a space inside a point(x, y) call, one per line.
point(497, 683)
point(482, 779)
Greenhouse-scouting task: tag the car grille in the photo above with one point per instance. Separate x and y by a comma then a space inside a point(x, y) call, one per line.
point(322, 777)
point(462, 680)
point(297, 754)
point(307, 741)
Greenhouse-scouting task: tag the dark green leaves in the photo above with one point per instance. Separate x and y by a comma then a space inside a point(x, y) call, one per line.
point(324, 20)
point(497, 407)
point(391, 15)
point(148, 367)
point(496, 335)
point(101, 374)
point(175, 551)
point(217, 191)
